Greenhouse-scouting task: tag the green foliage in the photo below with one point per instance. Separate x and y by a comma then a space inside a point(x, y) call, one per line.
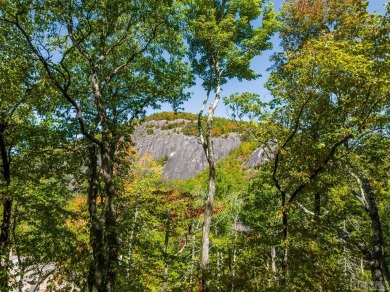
point(222, 127)
point(325, 92)
point(190, 129)
point(149, 131)
point(171, 116)
point(246, 105)
point(325, 108)
point(163, 160)
point(145, 206)
point(328, 120)
point(222, 38)
point(107, 62)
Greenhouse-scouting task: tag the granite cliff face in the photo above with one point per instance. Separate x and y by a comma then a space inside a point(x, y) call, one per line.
point(183, 154)
point(260, 156)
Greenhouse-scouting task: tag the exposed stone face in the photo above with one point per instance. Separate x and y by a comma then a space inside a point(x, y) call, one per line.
point(184, 154)
point(260, 156)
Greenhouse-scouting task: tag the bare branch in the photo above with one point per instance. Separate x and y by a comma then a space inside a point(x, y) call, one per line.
point(361, 195)
point(200, 128)
point(305, 210)
point(290, 137)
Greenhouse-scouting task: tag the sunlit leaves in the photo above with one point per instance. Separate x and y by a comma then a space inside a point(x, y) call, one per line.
point(223, 33)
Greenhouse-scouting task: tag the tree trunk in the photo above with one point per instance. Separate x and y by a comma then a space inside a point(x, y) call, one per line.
point(165, 252)
point(103, 234)
point(273, 259)
point(132, 236)
point(209, 152)
point(96, 276)
point(377, 254)
point(283, 279)
point(6, 219)
point(385, 270)
point(107, 150)
point(235, 220)
point(219, 264)
point(20, 265)
point(193, 242)
point(206, 232)
point(111, 236)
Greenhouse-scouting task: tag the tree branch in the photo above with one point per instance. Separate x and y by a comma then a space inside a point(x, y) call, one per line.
point(62, 88)
point(318, 170)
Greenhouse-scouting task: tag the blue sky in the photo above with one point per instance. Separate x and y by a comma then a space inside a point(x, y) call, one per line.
point(260, 65)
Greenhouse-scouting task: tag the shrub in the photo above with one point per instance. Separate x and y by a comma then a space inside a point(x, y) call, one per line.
point(149, 131)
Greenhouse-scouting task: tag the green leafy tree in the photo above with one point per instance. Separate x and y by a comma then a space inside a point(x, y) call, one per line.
point(222, 43)
point(331, 92)
point(367, 171)
point(332, 86)
point(108, 61)
point(156, 227)
point(18, 86)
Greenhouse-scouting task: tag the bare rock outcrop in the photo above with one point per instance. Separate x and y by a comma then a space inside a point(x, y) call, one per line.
point(183, 154)
point(260, 156)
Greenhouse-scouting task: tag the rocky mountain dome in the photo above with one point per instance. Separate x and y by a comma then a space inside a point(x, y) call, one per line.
point(174, 142)
point(183, 155)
